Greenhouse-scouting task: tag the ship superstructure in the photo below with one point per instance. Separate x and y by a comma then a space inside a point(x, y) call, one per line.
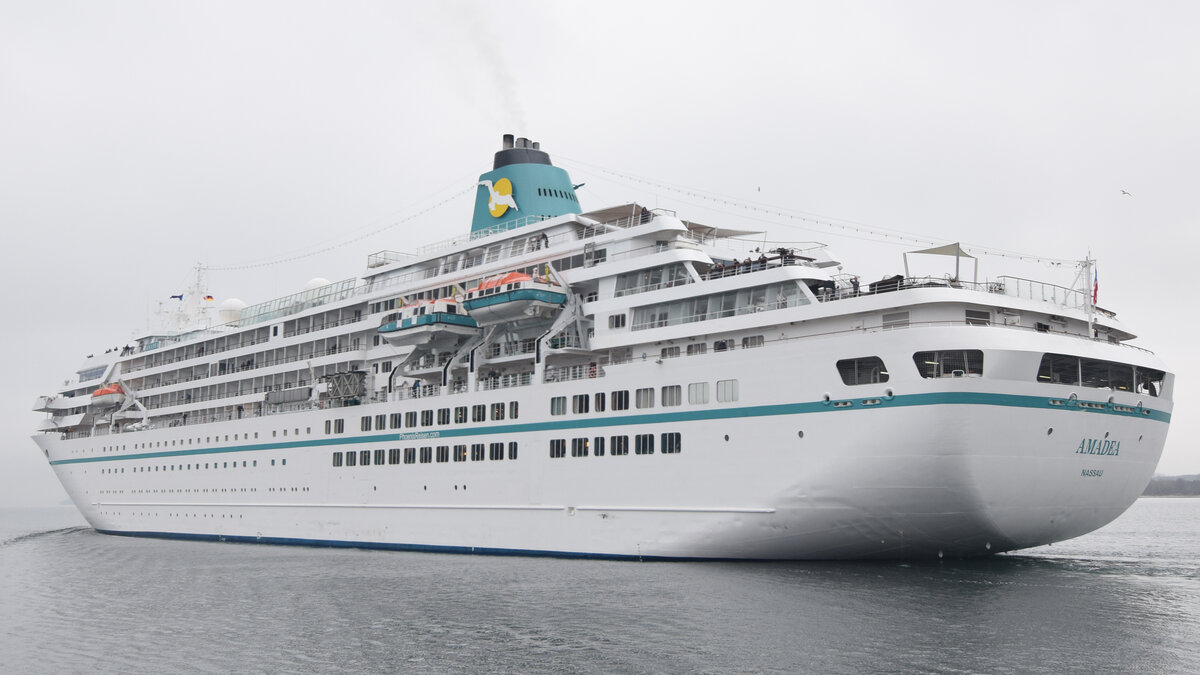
point(625, 383)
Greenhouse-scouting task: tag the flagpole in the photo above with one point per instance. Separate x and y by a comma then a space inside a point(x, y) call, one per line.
point(1090, 268)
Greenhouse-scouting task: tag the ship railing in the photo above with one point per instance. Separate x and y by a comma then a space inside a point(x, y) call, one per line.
point(645, 288)
point(567, 339)
point(581, 371)
point(415, 392)
point(249, 364)
point(506, 381)
point(1028, 289)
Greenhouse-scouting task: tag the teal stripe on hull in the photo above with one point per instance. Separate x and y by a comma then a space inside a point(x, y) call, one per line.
point(868, 403)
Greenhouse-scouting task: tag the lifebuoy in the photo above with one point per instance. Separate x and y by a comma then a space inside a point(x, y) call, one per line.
point(592, 370)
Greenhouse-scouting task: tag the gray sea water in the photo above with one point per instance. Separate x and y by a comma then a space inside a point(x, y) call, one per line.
point(1123, 599)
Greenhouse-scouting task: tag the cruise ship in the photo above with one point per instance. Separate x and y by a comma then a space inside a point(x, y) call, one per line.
point(619, 383)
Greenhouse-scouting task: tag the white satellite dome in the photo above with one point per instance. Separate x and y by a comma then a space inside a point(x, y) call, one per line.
point(231, 310)
point(316, 283)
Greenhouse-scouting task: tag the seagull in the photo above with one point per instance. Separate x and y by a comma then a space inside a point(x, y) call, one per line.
point(497, 198)
point(1126, 193)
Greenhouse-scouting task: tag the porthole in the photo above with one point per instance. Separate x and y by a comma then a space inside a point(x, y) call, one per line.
point(800, 433)
point(1049, 430)
point(726, 437)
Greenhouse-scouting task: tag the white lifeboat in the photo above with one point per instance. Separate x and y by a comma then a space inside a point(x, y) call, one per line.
point(513, 297)
point(428, 321)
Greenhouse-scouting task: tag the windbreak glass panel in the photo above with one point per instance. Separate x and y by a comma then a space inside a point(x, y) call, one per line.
point(1098, 374)
point(1059, 369)
point(864, 370)
point(949, 363)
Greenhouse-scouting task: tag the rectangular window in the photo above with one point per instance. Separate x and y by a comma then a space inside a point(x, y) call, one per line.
point(426, 418)
point(620, 400)
point(669, 352)
point(443, 416)
point(337, 459)
point(410, 419)
point(727, 391)
point(579, 403)
point(410, 455)
point(426, 454)
point(477, 452)
point(393, 455)
point(460, 414)
point(863, 370)
point(949, 363)
point(978, 317)
point(460, 453)
point(643, 444)
point(495, 451)
point(558, 448)
point(895, 320)
point(328, 426)
point(620, 445)
point(339, 426)
point(600, 400)
point(397, 420)
point(443, 453)
point(497, 412)
point(579, 447)
point(752, 341)
point(364, 457)
point(512, 449)
point(670, 443)
point(697, 348)
point(379, 456)
point(366, 423)
point(351, 458)
point(672, 395)
point(645, 397)
point(558, 405)
point(598, 446)
point(381, 422)
point(616, 321)
point(698, 393)
point(513, 408)
point(479, 413)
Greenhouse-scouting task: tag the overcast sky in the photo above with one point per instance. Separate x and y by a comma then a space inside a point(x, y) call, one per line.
point(138, 139)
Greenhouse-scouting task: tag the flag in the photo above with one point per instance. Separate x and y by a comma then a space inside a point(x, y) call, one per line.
point(208, 298)
point(177, 297)
point(1095, 285)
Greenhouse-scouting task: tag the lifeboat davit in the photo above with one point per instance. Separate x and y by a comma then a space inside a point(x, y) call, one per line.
point(109, 396)
point(428, 321)
point(513, 297)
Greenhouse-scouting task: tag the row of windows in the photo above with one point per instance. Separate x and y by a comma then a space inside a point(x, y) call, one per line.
point(643, 444)
point(189, 467)
point(1053, 369)
point(1075, 370)
point(935, 364)
point(425, 418)
point(668, 396)
point(426, 454)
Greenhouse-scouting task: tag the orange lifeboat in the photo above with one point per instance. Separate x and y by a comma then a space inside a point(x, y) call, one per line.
point(108, 396)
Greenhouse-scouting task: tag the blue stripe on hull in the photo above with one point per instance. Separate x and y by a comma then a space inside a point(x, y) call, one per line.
point(422, 548)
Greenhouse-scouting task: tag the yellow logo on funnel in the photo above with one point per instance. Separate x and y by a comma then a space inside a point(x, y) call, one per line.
point(500, 196)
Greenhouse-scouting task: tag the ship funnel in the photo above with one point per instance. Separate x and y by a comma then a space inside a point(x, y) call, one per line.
point(522, 187)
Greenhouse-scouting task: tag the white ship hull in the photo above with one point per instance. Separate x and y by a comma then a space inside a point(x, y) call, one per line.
point(949, 466)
